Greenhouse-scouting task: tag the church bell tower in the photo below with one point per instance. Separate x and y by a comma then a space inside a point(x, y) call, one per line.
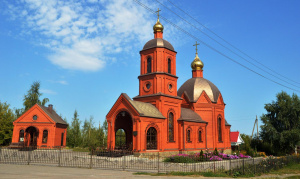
point(158, 66)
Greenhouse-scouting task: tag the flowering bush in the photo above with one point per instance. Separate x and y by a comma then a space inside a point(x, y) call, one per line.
point(199, 157)
point(244, 156)
point(215, 158)
point(234, 157)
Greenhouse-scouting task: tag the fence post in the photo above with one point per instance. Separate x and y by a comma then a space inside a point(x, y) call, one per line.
point(243, 166)
point(124, 162)
point(214, 166)
point(29, 155)
point(254, 166)
point(158, 162)
point(59, 156)
point(91, 159)
point(0, 153)
point(230, 166)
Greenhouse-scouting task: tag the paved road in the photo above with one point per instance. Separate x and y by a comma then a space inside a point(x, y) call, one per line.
point(9, 171)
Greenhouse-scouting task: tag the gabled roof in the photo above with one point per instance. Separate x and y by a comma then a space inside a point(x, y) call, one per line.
point(53, 115)
point(235, 137)
point(190, 115)
point(144, 109)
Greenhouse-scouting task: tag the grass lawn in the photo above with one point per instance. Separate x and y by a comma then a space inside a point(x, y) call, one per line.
point(290, 169)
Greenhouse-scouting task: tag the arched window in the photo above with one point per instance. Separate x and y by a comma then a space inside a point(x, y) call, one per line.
point(21, 136)
point(200, 135)
point(62, 139)
point(169, 65)
point(188, 135)
point(219, 130)
point(149, 65)
point(171, 127)
point(45, 136)
point(151, 139)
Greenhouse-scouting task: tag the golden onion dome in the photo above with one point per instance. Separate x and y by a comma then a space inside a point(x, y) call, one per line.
point(197, 64)
point(158, 27)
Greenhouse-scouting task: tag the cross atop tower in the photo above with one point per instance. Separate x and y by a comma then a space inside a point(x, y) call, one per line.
point(196, 47)
point(157, 13)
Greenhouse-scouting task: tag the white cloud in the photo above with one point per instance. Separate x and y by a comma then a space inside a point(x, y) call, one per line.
point(63, 82)
point(84, 35)
point(47, 91)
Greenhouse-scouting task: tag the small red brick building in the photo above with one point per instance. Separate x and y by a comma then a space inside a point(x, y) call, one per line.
point(162, 118)
point(40, 126)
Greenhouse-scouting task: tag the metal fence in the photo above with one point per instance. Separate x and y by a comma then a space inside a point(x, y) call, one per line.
point(125, 160)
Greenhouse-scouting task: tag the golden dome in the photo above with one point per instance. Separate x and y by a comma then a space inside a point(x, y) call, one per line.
point(158, 27)
point(197, 64)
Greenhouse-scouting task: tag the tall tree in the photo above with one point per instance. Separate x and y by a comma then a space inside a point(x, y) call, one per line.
point(88, 132)
point(6, 123)
point(281, 124)
point(74, 135)
point(104, 129)
point(31, 98)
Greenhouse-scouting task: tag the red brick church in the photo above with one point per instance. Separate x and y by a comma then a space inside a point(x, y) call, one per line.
point(39, 126)
point(162, 118)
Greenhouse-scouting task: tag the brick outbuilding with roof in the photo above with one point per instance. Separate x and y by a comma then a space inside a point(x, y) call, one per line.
point(40, 126)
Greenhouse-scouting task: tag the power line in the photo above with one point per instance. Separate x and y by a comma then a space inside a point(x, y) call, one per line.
point(225, 46)
point(230, 43)
point(212, 48)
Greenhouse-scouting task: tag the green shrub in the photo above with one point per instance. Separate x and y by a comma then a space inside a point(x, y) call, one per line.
point(179, 159)
point(216, 153)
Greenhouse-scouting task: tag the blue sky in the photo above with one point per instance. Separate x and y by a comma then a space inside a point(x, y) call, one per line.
point(86, 53)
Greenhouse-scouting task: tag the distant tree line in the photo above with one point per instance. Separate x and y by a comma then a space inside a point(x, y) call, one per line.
point(87, 135)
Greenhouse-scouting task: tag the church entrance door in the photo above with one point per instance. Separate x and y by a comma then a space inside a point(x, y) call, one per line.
point(123, 131)
point(31, 136)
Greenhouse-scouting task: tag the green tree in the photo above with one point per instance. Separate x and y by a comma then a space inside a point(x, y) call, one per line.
point(281, 123)
point(247, 145)
point(6, 123)
point(91, 137)
point(74, 132)
point(104, 129)
point(31, 98)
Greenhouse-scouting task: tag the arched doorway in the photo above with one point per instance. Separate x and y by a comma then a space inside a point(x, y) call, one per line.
point(31, 136)
point(123, 131)
point(151, 139)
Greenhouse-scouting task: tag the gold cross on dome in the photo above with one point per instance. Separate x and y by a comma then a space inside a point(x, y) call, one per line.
point(196, 46)
point(157, 12)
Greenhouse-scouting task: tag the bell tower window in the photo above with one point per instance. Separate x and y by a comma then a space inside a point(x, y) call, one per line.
point(149, 65)
point(169, 65)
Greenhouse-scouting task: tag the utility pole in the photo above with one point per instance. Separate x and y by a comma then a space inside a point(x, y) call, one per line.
point(255, 123)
